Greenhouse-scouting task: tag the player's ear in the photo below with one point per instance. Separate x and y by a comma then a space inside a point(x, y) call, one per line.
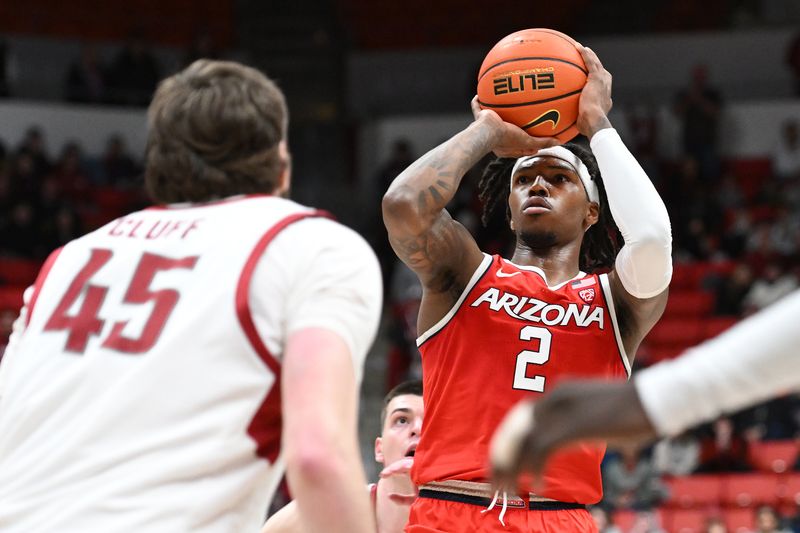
point(592, 215)
point(285, 177)
point(379, 450)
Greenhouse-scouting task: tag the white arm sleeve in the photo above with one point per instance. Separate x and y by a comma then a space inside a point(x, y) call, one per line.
point(318, 274)
point(644, 264)
point(753, 361)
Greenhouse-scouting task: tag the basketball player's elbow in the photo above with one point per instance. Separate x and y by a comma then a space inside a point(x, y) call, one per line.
point(316, 458)
point(400, 206)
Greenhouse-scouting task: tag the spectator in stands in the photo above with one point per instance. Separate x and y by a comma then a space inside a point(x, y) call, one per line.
point(773, 285)
point(723, 450)
point(60, 227)
point(714, 524)
point(86, 79)
point(630, 481)
point(732, 290)
point(33, 145)
point(700, 108)
point(678, 456)
point(646, 522)
point(777, 419)
point(24, 180)
point(736, 237)
point(768, 521)
point(119, 168)
point(20, 236)
point(786, 158)
point(602, 521)
point(785, 232)
point(134, 73)
point(70, 174)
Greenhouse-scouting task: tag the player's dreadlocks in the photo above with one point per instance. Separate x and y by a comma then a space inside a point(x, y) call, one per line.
point(599, 247)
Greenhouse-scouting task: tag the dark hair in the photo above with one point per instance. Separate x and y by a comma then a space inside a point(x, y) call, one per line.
point(214, 131)
point(599, 247)
point(407, 387)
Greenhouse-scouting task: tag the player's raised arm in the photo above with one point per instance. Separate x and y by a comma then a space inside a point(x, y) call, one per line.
point(643, 267)
point(440, 250)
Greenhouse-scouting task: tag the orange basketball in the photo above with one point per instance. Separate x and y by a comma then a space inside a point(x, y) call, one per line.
point(533, 78)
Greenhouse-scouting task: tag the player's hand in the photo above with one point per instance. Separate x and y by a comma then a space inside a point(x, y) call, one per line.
point(398, 468)
point(510, 449)
point(509, 140)
point(595, 102)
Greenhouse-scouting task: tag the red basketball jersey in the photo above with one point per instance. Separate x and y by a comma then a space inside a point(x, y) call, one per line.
point(512, 337)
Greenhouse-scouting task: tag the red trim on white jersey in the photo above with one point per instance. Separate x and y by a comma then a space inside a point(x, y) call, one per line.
point(37, 285)
point(265, 427)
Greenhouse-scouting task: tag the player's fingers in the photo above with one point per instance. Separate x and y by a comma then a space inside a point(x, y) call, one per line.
point(537, 143)
point(507, 442)
point(402, 499)
point(403, 466)
point(593, 63)
point(476, 107)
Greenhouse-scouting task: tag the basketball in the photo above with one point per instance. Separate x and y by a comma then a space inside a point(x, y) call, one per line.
point(533, 78)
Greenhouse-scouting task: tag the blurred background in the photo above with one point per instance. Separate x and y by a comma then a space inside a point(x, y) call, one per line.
point(707, 96)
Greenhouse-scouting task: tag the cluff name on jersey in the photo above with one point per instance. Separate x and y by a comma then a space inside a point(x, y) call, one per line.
point(134, 228)
point(533, 310)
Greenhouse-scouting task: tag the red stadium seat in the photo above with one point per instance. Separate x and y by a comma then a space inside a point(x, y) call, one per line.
point(715, 325)
point(112, 199)
point(694, 491)
point(691, 303)
point(739, 520)
point(11, 298)
point(790, 489)
point(685, 520)
point(676, 332)
point(624, 519)
point(746, 490)
point(655, 353)
point(774, 456)
point(18, 271)
point(683, 276)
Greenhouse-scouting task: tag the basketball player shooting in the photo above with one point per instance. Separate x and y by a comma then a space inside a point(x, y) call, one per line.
point(495, 331)
point(753, 361)
point(160, 361)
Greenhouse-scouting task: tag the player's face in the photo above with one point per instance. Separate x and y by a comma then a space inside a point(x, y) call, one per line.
point(548, 203)
point(401, 429)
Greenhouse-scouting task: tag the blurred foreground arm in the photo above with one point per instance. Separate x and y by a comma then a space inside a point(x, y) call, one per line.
point(323, 465)
point(753, 361)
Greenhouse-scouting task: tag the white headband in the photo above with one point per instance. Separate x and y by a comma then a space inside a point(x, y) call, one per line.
point(562, 153)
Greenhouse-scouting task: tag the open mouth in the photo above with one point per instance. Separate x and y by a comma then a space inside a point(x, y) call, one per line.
point(411, 451)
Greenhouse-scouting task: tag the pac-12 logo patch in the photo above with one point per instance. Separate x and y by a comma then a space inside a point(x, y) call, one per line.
point(587, 295)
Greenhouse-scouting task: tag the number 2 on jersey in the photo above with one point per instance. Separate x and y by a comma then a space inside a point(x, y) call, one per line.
point(532, 357)
point(86, 322)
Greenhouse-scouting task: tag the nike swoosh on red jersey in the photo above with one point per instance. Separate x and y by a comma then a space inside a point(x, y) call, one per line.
point(501, 274)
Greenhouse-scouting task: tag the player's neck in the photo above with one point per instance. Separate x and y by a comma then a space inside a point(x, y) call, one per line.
point(390, 516)
point(559, 262)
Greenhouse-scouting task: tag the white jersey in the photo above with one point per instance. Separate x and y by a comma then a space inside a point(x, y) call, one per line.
point(142, 394)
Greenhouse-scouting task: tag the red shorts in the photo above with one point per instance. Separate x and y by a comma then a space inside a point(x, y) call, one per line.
point(430, 515)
